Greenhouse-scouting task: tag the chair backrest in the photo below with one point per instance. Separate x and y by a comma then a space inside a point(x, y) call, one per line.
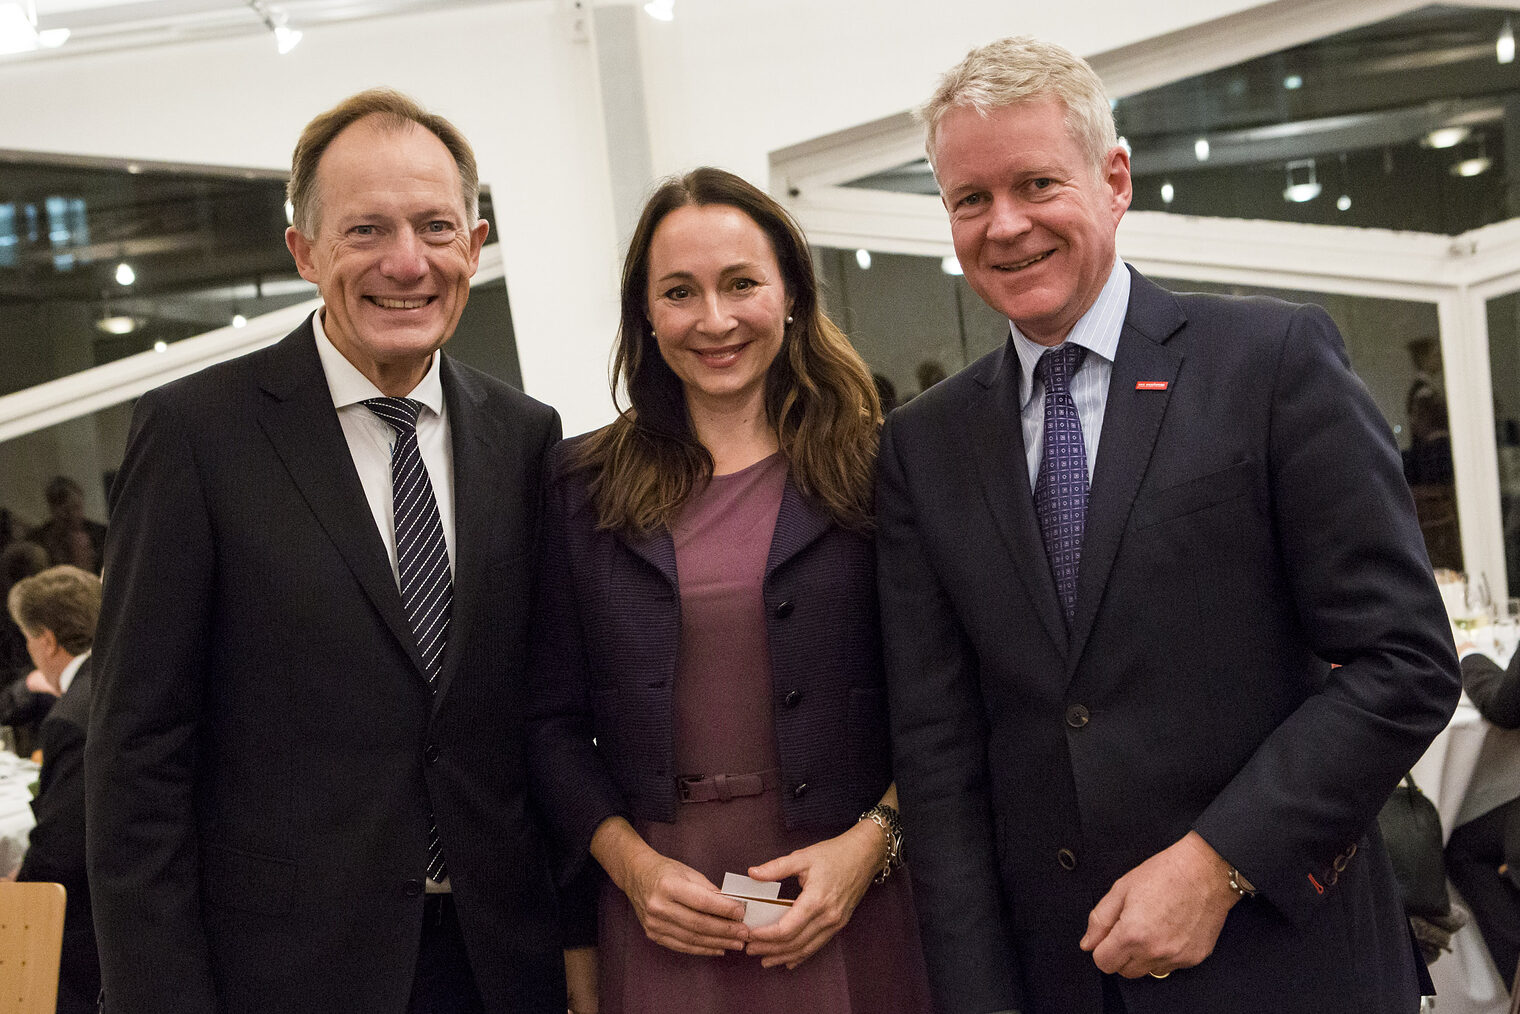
point(31, 938)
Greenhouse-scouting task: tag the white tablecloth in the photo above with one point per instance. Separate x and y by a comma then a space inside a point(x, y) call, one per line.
point(16, 778)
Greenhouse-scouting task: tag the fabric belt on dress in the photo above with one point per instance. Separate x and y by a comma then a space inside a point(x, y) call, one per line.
point(722, 788)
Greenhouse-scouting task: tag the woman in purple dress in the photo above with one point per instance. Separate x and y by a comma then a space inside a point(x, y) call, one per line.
point(707, 673)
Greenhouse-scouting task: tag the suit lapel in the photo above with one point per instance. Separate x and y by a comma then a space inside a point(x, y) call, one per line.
point(472, 434)
point(299, 419)
point(993, 419)
point(1131, 421)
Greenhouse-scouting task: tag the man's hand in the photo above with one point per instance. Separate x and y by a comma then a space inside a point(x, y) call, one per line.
point(580, 980)
point(1164, 914)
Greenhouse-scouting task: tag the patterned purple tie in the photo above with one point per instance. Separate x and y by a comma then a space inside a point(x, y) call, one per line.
point(422, 557)
point(1060, 490)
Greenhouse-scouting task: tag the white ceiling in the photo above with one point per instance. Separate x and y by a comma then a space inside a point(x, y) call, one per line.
point(97, 25)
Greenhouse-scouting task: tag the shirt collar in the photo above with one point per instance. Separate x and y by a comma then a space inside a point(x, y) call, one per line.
point(1097, 330)
point(71, 670)
point(350, 387)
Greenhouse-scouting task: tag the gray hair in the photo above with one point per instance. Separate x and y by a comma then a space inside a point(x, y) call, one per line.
point(1021, 69)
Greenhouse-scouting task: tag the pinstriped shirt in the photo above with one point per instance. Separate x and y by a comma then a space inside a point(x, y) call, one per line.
point(1098, 331)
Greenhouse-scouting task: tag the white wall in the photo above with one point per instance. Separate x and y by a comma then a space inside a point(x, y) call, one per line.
point(726, 83)
point(731, 80)
point(509, 75)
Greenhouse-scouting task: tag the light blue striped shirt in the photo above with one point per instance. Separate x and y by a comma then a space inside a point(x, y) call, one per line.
point(1098, 331)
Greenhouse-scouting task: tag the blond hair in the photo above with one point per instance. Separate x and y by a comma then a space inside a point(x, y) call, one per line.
point(1022, 69)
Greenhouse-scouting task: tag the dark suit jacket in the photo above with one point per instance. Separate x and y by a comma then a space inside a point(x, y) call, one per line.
point(55, 853)
point(606, 635)
point(1248, 525)
point(1495, 691)
point(264, 748)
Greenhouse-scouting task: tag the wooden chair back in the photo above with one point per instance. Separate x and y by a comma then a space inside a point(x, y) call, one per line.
point(31, 939)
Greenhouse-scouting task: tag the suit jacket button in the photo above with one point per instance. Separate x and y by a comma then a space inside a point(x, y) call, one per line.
point(799, 790)
point(431, 753)
point(1067, 858)
point(411, 888)
point(792, 699)
point(1077, 716)
point(784, 610)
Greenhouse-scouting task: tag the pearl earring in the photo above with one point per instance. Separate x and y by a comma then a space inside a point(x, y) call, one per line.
point(788, 318)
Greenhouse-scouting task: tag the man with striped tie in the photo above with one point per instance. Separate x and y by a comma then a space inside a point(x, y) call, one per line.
point(307, 786)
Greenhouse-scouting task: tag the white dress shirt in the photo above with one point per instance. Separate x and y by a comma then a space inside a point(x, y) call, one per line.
point(1097, 331)
point(370, 440)
point(69, 672)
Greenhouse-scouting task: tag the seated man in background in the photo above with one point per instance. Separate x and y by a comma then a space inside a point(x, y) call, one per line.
point(57, 610)
point(1483, 854)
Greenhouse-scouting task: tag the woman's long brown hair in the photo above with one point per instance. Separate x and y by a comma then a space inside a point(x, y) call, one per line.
point(819, 395)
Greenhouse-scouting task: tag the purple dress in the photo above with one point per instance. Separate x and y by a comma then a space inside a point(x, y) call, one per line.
point(723, 725)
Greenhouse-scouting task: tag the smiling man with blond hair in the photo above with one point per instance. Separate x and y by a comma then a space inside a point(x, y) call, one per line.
point(1118, 558)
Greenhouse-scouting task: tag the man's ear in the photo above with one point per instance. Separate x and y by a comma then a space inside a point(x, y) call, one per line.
point(300, 248)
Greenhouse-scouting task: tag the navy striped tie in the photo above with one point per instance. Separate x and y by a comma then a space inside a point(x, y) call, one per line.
point(422, 556)
point(1060, 489)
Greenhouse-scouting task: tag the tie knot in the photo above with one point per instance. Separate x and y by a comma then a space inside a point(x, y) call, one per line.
point(1056, 367)
point(401, 413)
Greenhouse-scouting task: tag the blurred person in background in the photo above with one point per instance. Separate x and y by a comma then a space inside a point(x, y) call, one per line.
point(67, 535)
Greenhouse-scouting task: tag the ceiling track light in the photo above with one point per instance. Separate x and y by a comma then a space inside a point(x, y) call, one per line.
point(277, 21)
point(19, 32)
point(1303, 184)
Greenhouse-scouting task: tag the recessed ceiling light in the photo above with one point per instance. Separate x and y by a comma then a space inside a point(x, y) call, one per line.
point(117, 324)
point(1201, 149)
point(238, 320)
point(1472, 166)
point(1504, 46)
point(1445, 137)
point(160, 346)
point(1343, 203)
point(124, 274)
point(863, 258)
point(1293, 82)
point(950, 265)
point(1168, 192)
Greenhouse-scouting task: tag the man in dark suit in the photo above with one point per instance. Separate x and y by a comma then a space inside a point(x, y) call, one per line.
point(1119, 557)
point(57, 611)
point(307, 782)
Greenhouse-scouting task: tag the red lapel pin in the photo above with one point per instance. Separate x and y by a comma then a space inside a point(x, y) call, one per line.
point(1150, 385)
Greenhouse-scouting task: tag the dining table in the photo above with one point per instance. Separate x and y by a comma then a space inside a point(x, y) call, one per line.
point(18, 780)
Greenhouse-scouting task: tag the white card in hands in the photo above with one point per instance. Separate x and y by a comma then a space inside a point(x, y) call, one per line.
point(762, 899)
